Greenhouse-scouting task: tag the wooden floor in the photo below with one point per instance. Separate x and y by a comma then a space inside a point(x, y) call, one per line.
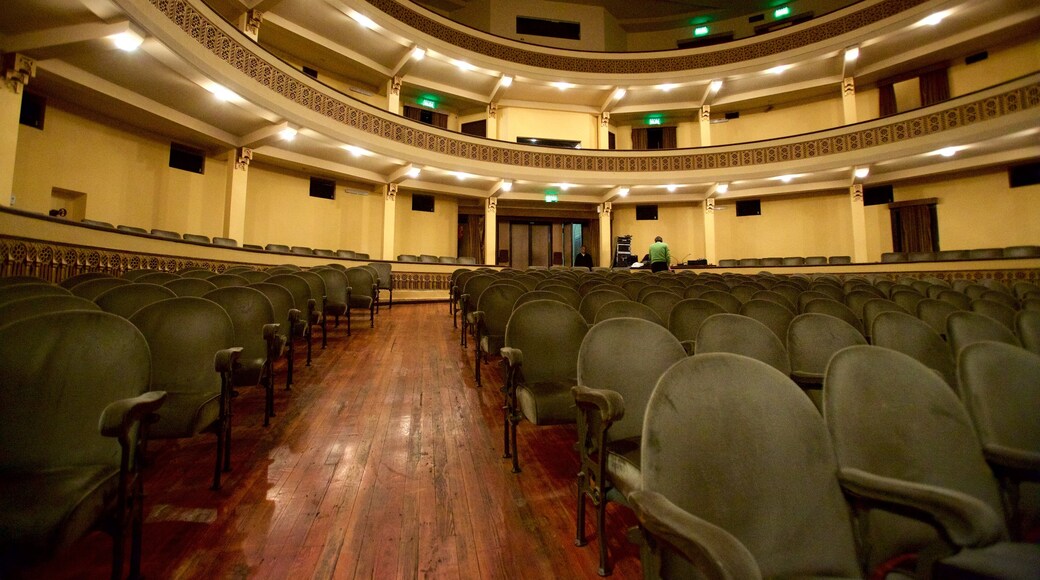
point(384, 462)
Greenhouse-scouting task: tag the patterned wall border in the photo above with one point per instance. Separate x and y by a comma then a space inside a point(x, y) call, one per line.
point(809, 34)
point(267, 71)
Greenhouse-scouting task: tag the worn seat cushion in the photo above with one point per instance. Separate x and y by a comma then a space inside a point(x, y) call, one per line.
point(548, 403)
point(77, 496)
point(623, 460)
point(1001, 560)
point(186, 414)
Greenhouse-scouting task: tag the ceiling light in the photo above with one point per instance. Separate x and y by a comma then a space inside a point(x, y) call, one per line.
point(671, 187)
point(413, 172)
point(948, 151)
point(563, 186)
point(785, 178)
point(851, 54)
point(288, 133)
point(355, 150)
point(619, 94)
point(418, 53)
point(562, 85)
point(667, 86)
point(507, 81)
point(623, 192)
point(363, 20)
point(933, 19)
point(778, 69)
point(721, 187)
point(128, 40)
point(462, 65)
point(507, 186)
point(221, 93)
point(461, 176)
point(862, 172)
point(715, 86)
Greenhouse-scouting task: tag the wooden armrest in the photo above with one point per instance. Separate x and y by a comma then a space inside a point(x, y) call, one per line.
point(1012, 457)
point(118, 417)
point(611, 404)
point(967, 521)
point(514, 357)
point(712, 550)
point(225, 359)
point(271, 331)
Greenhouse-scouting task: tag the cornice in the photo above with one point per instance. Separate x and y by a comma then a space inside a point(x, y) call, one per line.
point(303, 99)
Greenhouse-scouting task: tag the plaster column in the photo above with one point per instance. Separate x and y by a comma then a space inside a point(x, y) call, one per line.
point(859, 224)
point(606, 235)
point(389, 220)
point(710, 253)
point(235, 193)
point(604, 131)
point(17, 70)
point(249, 23)
point(490, 230)
point(704, 122)
point(492, 121)
point(848, 100)
point(393, 95)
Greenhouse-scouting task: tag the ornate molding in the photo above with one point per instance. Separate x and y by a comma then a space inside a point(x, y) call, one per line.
point(492, 205)
point(492, 110)
point(251, 22)
point(391, 192)
point(243, 156)
point(705, 114)
point(275, 76)
point(848, 87)
point(641, 63)
point(709, 205)
point(604, 119)
point(18, 69)
point(856, 191)
point(606, 208)
point(395, 86)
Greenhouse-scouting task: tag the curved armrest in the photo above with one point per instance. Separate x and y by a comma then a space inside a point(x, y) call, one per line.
point(807, 378)
point(225, 359)
point(1012, 457)
point(294, 315)
point(967, 521)
point(271, 331)
point(611, 404)
point(476, 317)
point(514, 357)
point(119, 416)
point(712, 550)
point(313, 316)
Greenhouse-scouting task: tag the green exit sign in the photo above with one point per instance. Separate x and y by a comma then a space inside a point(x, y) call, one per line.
point(428, 103)
point(782, 12)
point(701, 31)
point(654, 120)
point(551, 198)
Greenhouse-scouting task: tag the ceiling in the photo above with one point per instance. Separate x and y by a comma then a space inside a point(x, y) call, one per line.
point(158, 90)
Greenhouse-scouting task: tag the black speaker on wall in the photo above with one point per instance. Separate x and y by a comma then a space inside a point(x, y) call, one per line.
point(187, 158)
point(1023, 175)
point(422, 202)
point(877, 195)
point(323, 188)
point(749, 207)
point(646, 212)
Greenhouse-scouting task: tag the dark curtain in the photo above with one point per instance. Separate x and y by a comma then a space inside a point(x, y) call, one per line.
point(914, 229)
point(668, 138)
point(887, 100)
point(412, 113)
point(935, 87)
point(440, 120)
point(638, 138)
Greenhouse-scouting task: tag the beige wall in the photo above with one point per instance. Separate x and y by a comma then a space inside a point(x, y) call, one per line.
point(420, 232)
point(781, 121)
point(280, 210)
point(516, 122)
point(681, 226)
point(125, 175)
point(1004, 63)
point(817, 225)
point(592, 20)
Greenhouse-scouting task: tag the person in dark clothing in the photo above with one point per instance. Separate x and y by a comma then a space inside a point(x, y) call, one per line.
point(583, 259)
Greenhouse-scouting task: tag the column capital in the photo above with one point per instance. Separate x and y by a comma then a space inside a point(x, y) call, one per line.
point(391, 192)
point(709, 205)
point(604, 119)
point(705, 114)
point(243, 156)
point(492, 110)
point(856, 192)
point(492, 205)
point(251, 22)
point(606, 208)
point(17, 70)
point(395, 86)
point(848, 87)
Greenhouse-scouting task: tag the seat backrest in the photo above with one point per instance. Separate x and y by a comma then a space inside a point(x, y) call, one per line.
point(998, 311)
point(277, 248)
point(227, 280)
point(184, 334)
point(466, 260)
point(125, 300)
point(156, 278)
point(549, 335)
point(407, 258)
point(361, 281)
point(964, 328)
point(302, 250)
point(427, 258)
point(911, 336)
point(134, 275)
point(837, 310)
point(786, 465)
point(384, 270)
point(532, 295)
point(999, 389)
point(32, 306)
point(190, 286)
point(813, 338)
point(873, 308)
point(229, 242)
point(30, 290)
point(627, 309)
point(198, 238)
point(776, 297)
point(91, 289)
point(253, 276)
point(891, 416)
point(249, 310)
point(335, 285)
point(776, 317)
point(59, 371)
point(961, 301)
point(688, 315)
point(281, 302)
point(739, 334)
point(727, 301)
point(497, 302)
point(857, 299)
point(298, 287)
point(316, 284)
point(346, 253)
point(71, 281)
point(662, 303)
point(203, 273)
point(166, 234)
point(446, 259)
point(1027, 325)
point(595, 300)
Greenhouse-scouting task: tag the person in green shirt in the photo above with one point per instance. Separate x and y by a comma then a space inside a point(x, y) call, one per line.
point(660, 257)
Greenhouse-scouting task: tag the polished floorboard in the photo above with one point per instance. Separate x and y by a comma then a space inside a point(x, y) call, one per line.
point(384, 461)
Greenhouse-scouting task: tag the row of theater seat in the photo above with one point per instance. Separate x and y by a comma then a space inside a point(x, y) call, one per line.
point(542, 321)
point(431, 259)
point(975, 254)
point(788, 261)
